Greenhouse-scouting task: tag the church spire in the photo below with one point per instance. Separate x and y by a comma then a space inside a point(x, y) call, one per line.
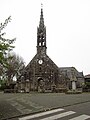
point(41, 23)
point(41, 35)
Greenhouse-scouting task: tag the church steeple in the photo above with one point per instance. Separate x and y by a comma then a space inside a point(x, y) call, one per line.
point(41, 35)
point(41, 23)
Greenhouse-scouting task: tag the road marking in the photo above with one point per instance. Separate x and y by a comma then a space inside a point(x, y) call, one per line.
point(20, 107)
point(54, 117)
point(41, 114)
point(81, 117)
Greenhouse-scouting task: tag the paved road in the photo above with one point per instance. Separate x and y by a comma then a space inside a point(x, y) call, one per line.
point(74, 112)
point(83, 108)
point(14, 105)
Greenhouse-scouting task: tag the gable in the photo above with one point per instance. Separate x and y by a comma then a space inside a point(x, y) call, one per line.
point(46, 63)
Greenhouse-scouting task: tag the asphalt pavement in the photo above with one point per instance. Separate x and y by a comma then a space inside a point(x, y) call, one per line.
point(14, 105)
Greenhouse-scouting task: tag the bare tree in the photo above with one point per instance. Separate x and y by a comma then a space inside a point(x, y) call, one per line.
point(15, 66)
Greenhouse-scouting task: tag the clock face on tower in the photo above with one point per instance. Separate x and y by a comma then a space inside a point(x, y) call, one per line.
point(40, 61)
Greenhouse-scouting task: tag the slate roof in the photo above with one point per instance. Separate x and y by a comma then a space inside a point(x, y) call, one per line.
point(87, 76)
point(68, 71)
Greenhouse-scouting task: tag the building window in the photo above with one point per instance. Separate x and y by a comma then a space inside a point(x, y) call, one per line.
point(43, 43)
point(40, 44)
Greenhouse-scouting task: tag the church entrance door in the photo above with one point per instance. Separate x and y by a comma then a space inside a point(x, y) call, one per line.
point(41, 85)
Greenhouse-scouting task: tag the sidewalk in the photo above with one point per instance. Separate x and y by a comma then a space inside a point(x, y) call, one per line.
point(12, 105)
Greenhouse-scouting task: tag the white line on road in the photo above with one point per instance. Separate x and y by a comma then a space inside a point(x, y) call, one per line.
point(41, 114)
point(81, 117)
point(54, 117)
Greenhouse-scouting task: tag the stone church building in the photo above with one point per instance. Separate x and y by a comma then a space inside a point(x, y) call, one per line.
point(42, 74)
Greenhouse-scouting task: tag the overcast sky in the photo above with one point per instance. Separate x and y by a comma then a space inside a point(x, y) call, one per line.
point(67, 25)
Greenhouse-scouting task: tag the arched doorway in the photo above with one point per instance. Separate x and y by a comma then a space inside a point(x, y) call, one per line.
point(41, 85)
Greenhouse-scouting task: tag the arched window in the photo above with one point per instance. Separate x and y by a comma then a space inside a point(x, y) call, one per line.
point(43, 43)
point(39, 43)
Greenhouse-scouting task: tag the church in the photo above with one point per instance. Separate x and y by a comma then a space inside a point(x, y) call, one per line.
point(42, 74)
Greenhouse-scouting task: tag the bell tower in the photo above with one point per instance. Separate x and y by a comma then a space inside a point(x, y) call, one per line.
point(41, 35)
